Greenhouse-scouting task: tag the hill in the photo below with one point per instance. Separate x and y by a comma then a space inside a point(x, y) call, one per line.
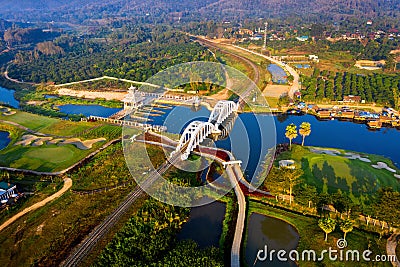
point(151, 10)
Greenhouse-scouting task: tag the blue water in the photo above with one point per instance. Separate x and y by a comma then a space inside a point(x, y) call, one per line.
point(334, 134)
point(87, 110)
point(302, 66)
point(204, 225)
point(4, 139)
point(7, 97)
point(278, 74)
point(273, 233)
point(50, 96)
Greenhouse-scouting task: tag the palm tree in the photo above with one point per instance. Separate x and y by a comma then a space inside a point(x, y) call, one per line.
point(305, 130)
point(346, 226)
point(327, 225)
point(291, 133)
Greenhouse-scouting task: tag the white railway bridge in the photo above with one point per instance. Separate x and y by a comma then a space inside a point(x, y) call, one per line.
point(197, 131)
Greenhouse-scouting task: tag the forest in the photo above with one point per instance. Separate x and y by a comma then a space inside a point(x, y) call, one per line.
point(137, 55)
point(325, 85)
point(149, 239)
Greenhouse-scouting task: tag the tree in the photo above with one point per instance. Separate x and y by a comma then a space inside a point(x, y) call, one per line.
point(291, 133)
point(346, 226)
point(305, 130)
point(327, 225)
point(291, 178)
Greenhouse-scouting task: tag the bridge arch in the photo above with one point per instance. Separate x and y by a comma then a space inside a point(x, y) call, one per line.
point(194, 134)
point(221, 111)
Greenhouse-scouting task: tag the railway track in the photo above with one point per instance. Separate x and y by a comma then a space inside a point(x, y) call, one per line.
point(101, 230)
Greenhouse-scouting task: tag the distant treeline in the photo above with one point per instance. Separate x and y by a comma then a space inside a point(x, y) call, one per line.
point(325, 85)
point(135, 54)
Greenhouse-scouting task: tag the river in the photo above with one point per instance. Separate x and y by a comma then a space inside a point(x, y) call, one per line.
point(333, 133)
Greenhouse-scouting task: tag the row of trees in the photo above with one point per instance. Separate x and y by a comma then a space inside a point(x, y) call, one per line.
point(291, 131)
point(325, 85)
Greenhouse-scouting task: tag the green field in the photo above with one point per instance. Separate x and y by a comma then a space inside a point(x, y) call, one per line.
point(329, 173)
point(50, 158)
point(47, 125)
point(312, 237)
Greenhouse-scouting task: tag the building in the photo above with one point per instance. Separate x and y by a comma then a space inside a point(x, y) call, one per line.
point(133, 100)
point(287, 164)
point(351, 99)
point(7, 190)
point(302, 38)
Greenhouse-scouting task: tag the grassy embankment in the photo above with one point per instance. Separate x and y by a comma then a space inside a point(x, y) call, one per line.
point(312, 237)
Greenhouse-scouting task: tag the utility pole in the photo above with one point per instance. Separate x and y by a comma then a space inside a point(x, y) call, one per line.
point(265, 35)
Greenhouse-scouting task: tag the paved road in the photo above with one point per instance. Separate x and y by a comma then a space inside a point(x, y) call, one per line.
point(65, 188)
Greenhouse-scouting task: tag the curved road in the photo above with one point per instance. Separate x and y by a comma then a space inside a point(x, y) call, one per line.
point(65, 188)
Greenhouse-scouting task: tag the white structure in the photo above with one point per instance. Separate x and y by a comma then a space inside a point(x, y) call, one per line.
point(287, 164)
point(6, 191)
point(232, 162)
point(197, 131)
point(133, 100)
point(221, 111)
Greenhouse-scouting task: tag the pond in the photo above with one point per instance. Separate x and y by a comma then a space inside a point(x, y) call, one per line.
point(302, 66)
point(271, 232)
point(278, 74)
point(7, 97)
point(87, 110)
point(204, 225)
point(50, 96)
point(4, 139)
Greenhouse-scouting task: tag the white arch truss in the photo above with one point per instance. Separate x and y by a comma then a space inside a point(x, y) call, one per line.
point(221, 111)
point(194, 134)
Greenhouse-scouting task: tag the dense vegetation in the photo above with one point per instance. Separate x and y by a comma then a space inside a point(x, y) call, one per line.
point(91, 12)
point(148, 239)
point(136, 56)
point(325, 85)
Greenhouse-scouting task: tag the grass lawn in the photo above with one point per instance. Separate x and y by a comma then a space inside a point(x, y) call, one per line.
point(51, 158)
point(330, 173)
point(46, 158)
point(312, 237)
point(48, 125)
point(45, 237)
